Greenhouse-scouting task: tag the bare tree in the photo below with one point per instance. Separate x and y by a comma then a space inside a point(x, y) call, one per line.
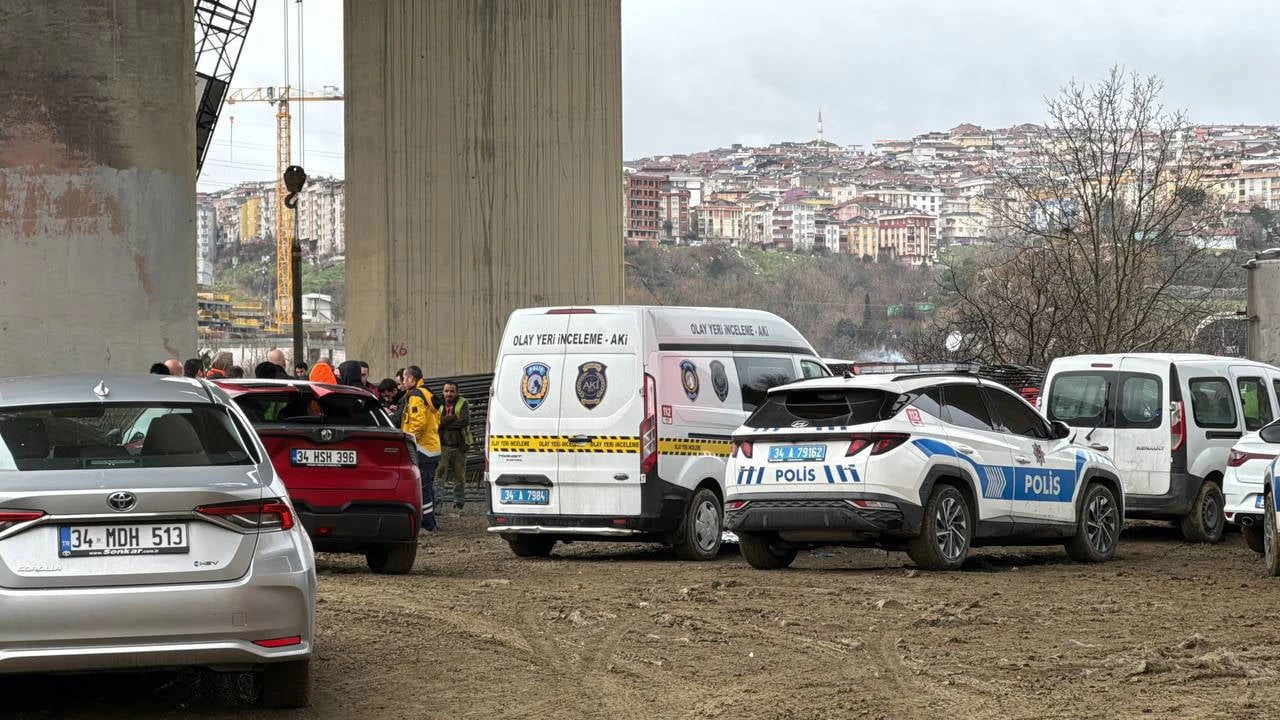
point(1100, 227)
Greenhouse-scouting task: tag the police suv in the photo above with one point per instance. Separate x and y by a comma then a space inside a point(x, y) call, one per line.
point(931, 464)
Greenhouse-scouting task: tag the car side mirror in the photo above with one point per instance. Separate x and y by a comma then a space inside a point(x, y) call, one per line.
point(1270, 433)
point(1060, 430)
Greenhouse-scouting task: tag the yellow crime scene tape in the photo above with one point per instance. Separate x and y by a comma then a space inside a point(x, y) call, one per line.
point(695, 447)
point(561, 443)
point(605, 444)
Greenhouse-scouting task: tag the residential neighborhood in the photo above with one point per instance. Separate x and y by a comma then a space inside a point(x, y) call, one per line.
point(895, 200)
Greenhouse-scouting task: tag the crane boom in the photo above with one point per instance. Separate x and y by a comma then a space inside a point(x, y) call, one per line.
point(281, 97)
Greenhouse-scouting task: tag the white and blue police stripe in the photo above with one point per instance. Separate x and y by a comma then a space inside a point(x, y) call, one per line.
point(834, 474)
point(1005, 482)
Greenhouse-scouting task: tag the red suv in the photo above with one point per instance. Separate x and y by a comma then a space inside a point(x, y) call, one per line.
point(350, 473)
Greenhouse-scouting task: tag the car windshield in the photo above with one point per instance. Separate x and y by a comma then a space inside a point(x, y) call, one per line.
point(823, 408)
point(302, 406)
point(104, 436)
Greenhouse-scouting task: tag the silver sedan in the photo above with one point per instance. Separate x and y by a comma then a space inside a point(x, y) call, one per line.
point(142, 526)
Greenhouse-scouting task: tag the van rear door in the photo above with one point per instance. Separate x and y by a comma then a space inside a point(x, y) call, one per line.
point(524, 414)
point(601, 409)
point(1142, 448)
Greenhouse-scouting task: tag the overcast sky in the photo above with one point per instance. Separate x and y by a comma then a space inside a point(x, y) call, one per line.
point(699, 74)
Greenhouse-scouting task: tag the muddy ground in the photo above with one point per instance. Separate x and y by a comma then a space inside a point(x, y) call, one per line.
point(626, 631)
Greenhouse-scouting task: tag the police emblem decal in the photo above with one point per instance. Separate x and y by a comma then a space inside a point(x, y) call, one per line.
point(1039, 452)
point(591, 384)
point(689, 379)
point(535, 381)
point(719, 380)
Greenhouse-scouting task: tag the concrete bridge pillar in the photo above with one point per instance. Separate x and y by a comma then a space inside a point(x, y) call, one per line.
point(97, 185)
point(483, 152)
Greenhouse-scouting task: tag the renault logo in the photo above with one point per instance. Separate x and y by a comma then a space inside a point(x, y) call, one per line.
point(326, 435)
point(122, 501)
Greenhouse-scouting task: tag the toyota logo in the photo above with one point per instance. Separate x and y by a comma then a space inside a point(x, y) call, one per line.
point(122, 501)
point(800, 424)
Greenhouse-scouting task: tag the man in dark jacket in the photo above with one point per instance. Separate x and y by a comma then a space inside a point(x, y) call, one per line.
point(267, 370)
point(349, 374)
point(455, 438)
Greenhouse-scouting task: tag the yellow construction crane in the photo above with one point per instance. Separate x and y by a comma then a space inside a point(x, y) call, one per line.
point(281, 97)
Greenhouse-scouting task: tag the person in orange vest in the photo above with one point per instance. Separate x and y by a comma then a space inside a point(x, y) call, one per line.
point(322, 372)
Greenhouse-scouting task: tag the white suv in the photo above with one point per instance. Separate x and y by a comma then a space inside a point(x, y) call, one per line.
point(933, 464)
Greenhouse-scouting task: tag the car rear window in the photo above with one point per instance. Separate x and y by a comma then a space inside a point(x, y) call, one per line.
point(305, 407)
point(824, 407)
point(105, 436)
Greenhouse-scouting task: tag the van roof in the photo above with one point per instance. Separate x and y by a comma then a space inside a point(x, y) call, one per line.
point(1155, 357)
point(690, 327)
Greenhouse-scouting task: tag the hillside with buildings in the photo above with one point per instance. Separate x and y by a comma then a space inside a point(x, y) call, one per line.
point(900, 200)
point(843, 239)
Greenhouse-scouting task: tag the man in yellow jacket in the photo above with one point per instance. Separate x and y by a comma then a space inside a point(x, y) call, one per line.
point(421, 420)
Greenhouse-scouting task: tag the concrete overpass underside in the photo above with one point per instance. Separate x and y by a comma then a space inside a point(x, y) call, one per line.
point(483, 146)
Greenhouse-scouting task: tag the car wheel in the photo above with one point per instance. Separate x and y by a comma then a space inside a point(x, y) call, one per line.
point(530, 545)
point(286, 684)
point(392, 559)
point(1205, 522)
point(703, 521)
point(761, 554)
point(1097, 526)
point(1255, 536)
point(943, 542)
point(1270, 541)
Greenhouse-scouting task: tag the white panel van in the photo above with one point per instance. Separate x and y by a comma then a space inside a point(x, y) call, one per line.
point(614, 422)
point(1168, 421)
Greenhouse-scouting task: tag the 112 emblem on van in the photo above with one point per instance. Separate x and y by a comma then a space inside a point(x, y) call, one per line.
point(689, 379)
point(719, 380)
point(591, 384)
point(534, 383)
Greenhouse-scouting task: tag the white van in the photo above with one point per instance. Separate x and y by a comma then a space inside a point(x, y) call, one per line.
point(614, 422)
point(1168, 421)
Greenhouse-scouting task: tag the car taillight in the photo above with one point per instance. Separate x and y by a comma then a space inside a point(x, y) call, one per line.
point(1177, 426)
point(649, 427)
point(269, 514)
point(742, 448)
point(9, 518)
point(1237, 458)
point(279, 642)
point(880, 443)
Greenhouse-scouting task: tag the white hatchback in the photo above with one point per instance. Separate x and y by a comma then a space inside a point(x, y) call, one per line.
point(1242, 486)
point(930, 464)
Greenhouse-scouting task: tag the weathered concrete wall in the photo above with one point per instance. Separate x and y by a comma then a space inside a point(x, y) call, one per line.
point(97, 184)
point(484, 143)
point(1264, 311)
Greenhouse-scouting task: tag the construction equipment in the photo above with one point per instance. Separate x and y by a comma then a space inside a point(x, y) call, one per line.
point(221, 29)
point(281, 97)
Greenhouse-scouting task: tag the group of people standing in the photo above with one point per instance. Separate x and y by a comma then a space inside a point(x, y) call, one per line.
point(440, 426)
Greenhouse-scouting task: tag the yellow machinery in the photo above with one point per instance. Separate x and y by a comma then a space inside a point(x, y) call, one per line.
point(281, 97)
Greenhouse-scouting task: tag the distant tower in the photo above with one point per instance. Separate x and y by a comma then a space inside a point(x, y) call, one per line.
point(819, 123)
